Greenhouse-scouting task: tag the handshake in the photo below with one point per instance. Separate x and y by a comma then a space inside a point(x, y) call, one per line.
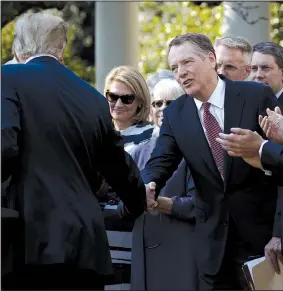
point(150, 196)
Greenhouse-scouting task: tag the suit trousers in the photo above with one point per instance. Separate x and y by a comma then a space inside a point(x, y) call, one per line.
point(52, 277)
point(230, 275)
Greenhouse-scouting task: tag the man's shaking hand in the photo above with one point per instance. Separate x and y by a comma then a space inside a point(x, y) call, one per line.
point(150, 196)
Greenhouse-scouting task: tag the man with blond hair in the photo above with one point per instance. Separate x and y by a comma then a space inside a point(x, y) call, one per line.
point(57, 134)
point(233, 55)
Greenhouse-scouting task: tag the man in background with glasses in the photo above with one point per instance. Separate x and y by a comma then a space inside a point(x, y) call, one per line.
point(233, 56)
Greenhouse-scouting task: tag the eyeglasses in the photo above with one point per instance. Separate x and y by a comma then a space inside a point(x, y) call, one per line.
point(126, 99)
point(159, 103)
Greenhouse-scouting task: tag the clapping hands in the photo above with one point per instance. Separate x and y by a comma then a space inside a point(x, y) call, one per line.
point(272, 125)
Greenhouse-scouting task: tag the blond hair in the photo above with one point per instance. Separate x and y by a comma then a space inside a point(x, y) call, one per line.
point(237, 42)
point(131, 77)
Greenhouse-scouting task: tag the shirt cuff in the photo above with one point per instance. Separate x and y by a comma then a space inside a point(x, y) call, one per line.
point(260, 149)
point(267, 173)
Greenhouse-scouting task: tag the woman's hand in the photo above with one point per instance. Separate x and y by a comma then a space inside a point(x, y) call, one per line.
point(164, 205)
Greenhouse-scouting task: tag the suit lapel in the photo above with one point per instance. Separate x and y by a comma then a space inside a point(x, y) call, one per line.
point(233, 109)
point(280, 99)
point(196, 134)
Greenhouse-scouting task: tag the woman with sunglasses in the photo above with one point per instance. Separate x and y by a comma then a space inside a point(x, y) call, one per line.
point(129, 102)
point(163, 241)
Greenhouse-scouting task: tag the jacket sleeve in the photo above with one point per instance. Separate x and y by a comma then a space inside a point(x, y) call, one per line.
point(118, 167)
point(184, 207)
point(181, 188)
point(272, 160)
point(10, 126)
point(277, 229)
point(141, 155)
point(164, 159)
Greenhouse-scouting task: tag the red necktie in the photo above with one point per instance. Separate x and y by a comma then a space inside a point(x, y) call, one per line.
point(212, 131)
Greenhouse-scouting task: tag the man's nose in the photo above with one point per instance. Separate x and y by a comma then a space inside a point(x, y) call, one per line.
point(259, 74)
point(182, 72)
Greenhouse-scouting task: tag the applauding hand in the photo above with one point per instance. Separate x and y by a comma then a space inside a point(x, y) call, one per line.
point(241, 142)
point(272, 125)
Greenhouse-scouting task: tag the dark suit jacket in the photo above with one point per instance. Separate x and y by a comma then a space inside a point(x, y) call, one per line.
point(57, 134)
point(272, 159)
point(246, 195)
point(278, 223)
point(280, 99)
point(155, 236)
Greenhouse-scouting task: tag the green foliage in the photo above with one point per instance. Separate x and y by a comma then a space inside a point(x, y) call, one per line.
point(161, 22)
point(71, 60)
point(75, 63)
point(6, 42)
point(277, 22)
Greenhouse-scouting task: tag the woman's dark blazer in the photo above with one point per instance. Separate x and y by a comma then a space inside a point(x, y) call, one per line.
point(163, 245)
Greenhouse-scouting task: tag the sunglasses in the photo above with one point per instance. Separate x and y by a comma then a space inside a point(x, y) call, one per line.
point(126, 99)
point(159, 103)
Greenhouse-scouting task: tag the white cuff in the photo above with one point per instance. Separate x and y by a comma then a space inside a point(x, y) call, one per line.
point(266, 172)
point(260, 149)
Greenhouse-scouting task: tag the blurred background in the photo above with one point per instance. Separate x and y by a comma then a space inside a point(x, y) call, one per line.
point(158, 23)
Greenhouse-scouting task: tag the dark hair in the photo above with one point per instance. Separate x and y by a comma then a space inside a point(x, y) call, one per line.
point(273, 49)
point(200, 41)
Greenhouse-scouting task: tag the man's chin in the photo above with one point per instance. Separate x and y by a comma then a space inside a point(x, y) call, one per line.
point(191, 91)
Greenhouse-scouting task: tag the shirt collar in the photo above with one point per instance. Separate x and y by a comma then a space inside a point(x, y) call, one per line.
point(278, 94)
point(39, 55)
point(217, 97)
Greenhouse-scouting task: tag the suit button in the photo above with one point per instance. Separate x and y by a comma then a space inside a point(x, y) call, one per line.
point(225, 223)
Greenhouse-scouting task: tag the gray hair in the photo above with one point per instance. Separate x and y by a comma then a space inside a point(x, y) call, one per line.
point(167, 88)
point(38, 33)
point(200, 41)
point(237, 42)
point(152, 80)
point(273, 49)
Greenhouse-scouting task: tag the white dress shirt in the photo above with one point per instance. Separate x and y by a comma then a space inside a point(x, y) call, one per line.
point(217, 105)
point(40, 55)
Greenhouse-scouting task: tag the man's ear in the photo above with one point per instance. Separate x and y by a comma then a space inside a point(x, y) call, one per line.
point(212, 60)
point(60, 57)
point(248, 71)
point(19, 59)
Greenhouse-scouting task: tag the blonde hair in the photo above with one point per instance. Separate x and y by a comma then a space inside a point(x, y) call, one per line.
point(167, 88)
point(134, 80)
point(37, 33)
